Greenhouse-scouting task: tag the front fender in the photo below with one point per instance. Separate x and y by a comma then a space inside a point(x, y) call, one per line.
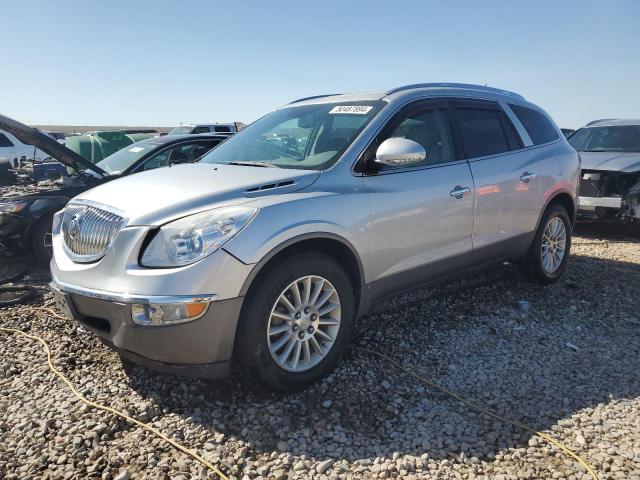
point(303, 216)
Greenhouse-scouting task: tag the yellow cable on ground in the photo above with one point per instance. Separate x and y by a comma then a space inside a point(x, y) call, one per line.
point(215, 470)
point(546, 437)
point(108, 409)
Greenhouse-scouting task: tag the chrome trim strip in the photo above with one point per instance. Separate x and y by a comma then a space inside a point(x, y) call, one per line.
point(524, 135)
point(126, 298)
point(609, 202)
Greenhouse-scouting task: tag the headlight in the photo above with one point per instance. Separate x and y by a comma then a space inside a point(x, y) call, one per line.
point(194, 237)
point(14, 207)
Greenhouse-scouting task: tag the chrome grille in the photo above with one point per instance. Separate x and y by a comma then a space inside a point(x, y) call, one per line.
point(88, 231)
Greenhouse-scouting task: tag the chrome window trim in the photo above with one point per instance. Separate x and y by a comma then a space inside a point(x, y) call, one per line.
point(524, 135)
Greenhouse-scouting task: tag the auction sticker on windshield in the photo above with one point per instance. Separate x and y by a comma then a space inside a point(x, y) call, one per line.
point(352, 109)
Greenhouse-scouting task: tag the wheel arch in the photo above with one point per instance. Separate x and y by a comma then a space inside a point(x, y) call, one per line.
point(562, 198)
point(331, 244)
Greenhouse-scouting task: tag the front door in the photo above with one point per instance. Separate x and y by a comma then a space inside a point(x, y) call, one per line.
point(421, 216)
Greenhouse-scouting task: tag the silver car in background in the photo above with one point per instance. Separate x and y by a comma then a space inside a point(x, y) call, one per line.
point(266, 251)
point(610, 178)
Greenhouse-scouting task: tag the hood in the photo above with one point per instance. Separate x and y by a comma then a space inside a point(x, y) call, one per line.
point(32, 136)
point(611, 161)
point(158, 196)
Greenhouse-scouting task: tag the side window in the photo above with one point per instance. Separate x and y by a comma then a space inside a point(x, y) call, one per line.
point(431, 129)
point(486, 131)
point(4, 141)
point(201, 130)
point(536, 124)
point(178, 154)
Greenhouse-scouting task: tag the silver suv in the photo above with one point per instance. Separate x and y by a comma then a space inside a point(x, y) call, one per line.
point(266, 251)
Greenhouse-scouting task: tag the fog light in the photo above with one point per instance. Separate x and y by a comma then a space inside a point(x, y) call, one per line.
point(167, 313)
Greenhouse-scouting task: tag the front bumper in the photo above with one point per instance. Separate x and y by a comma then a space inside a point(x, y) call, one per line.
point(201, 347)
point(590, 203)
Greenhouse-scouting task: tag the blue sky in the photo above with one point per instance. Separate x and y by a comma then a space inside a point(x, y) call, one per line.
point(165, 62)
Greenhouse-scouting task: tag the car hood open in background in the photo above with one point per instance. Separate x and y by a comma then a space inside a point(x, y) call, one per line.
point(611, 161)
point(50, 146)
point(158, 196)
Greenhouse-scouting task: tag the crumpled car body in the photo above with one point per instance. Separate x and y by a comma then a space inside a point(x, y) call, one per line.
point(25, 219)
point(610, 170)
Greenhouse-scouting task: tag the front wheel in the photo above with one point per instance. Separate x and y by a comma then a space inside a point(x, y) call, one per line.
point(297, 321)
point(547, 257)
point(41, 241)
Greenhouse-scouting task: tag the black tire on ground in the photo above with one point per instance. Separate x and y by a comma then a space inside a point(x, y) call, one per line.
point(6, 176)
point(532, 262)
point(251, 348)
point(40, 234)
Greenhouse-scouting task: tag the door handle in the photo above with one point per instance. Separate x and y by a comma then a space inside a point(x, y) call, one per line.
point(526, 177)
point(458, 191)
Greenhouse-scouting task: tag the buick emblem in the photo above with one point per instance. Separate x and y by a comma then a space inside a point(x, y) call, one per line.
point(74, 226)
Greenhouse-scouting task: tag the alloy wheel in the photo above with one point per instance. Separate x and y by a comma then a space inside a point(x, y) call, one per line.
point(304, 323)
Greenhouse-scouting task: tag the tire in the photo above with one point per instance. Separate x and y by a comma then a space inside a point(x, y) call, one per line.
point(253, 349)
point(533, 263)
point(40, 234)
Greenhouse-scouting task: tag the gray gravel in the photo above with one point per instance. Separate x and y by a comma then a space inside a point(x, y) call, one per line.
point(566, 363)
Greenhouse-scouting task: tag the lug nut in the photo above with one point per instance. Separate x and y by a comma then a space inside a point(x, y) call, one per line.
point(310, 329)
point(314, 317)
point(307, 310)
point(298, 315)
point(295, 327)
point(301, 335)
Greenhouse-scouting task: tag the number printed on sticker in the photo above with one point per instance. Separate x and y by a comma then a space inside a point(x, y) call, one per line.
point(352, 109)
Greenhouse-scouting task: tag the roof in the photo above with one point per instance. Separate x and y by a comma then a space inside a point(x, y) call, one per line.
point(446, 88)
point(166, 139)
point(613, 122)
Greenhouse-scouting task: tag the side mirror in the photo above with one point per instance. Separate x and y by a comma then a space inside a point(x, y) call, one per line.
point(400, 151)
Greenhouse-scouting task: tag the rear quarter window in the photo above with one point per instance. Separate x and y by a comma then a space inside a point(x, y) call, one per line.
point(485, 132)
point(536, 124)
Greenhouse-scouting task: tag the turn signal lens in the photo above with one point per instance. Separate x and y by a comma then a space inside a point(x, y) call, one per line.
point(167, 313)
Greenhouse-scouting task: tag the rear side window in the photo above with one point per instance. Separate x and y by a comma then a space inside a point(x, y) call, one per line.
point(4, 141)
point(536, 124)
point(221, 129)
point(486, 131)
point(201, 130)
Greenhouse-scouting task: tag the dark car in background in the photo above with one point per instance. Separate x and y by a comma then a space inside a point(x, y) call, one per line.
point(610, 175)
point(25, 219)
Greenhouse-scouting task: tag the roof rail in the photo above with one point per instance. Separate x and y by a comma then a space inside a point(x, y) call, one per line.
point(468, 86)
point(600, 120)
point(313, 97)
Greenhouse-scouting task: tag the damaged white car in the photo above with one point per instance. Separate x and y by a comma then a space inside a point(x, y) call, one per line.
point(610, 176)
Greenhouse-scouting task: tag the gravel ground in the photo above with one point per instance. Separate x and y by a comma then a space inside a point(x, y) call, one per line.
point(568, 367)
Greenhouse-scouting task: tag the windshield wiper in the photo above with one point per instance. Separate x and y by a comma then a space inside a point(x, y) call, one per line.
point(255, 164)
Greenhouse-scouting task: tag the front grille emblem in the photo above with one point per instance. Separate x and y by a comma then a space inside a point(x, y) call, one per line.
point(74, 225)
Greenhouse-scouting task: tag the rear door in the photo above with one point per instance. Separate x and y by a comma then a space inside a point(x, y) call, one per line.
point(421, 216)
point(507, 188)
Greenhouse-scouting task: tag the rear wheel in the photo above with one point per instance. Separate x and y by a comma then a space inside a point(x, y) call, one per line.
point(297, 321)
point(547, 257)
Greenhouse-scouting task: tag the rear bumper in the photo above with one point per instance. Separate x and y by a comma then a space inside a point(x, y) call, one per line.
point(201, 347)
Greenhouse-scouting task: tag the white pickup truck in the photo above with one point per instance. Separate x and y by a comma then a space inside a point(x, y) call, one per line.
point(12, 149)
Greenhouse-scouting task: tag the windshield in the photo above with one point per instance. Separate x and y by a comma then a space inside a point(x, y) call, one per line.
point(303, 137)
point(180, 131)
point(623, 138)
point(123, 159)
